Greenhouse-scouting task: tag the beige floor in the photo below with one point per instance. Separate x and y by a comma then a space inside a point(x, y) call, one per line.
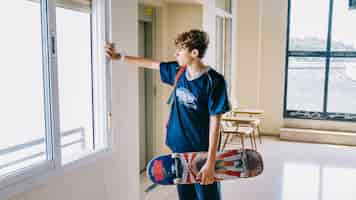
point(293, 171)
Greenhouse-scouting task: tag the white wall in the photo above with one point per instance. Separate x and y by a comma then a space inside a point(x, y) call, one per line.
point(125, 180)
point(115, 177)
point(274, 26)
point(247, 54)
point(261, 31)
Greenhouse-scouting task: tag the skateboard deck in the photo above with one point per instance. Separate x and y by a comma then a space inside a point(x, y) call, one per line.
point(182, 168)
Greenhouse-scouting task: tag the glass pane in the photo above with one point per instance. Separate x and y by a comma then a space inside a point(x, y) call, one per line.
point(342, 85)
point(223, 4)
point(352, 4)
point(344, 28)
point(22, 141)
point(308, 30)
point(219, 44)
point(75, 79)
point(306, 77)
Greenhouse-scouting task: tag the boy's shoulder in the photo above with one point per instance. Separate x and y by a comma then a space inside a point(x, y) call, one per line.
point(215, 76)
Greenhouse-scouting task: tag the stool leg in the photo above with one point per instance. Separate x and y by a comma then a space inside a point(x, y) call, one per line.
point(231, 138)
point(252, 144)
point(242, 141)
point(259, 133)
point(226, 139)
point(219, 140)
point(254, 138)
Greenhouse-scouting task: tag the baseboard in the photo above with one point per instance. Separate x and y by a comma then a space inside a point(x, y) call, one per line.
point(318, 136)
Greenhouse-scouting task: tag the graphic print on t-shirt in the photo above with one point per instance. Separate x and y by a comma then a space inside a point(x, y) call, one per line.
point(186, 98)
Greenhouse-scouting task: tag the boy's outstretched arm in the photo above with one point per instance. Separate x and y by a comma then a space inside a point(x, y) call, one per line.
point(140, 61)
point(207, 173)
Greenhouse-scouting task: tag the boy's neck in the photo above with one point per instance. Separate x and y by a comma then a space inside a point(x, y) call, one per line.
point(196, 67)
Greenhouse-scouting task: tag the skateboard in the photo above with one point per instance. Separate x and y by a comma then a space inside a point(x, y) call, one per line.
point(182, 168)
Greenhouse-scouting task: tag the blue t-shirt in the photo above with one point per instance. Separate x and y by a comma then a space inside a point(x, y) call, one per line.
point(193, 104)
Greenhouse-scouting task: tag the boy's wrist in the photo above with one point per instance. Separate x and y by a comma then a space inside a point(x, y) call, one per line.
point(122, 55)
point(210, 160)
point(210, 164)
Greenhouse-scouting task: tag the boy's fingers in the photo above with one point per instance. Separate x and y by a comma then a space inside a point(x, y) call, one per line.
point(206, 180)
point(203, 179)
point(108, 54)
point(211, 181)
point(198, 176)
point(108, 49)
point(110, 44)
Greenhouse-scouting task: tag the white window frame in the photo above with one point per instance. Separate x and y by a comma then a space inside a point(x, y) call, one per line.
point(225, 15)
point(27, 178)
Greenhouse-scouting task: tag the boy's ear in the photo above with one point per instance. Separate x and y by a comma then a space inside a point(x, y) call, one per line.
point(194, 53)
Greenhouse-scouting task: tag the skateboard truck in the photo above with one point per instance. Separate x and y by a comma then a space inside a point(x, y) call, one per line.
point(244, 162)
point(175, 168)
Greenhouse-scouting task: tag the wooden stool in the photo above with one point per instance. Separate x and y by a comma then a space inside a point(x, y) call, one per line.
point(251, 112)
point(241, 132)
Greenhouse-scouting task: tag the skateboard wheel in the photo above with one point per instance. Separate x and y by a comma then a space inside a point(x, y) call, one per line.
point(175, 155)
point(177, 180)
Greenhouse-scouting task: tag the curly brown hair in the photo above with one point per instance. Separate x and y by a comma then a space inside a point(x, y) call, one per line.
point(193, 39)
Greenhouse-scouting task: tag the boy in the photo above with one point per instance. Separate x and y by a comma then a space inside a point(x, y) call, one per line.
point(199, 98)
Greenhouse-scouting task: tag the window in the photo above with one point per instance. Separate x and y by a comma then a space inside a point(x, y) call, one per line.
point(223, 4)
point(22, 103)
point(320, 61)
point(219, 43)
point(54, 83)
point(352, 4)
point(223, 47)
point(75, 78)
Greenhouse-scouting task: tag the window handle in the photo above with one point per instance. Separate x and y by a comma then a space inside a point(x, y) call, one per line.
point(53, 45)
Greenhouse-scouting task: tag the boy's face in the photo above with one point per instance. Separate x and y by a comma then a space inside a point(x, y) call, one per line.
point(186, 57)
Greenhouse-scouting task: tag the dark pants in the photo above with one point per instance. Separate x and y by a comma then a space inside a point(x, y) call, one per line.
point(199, 192)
